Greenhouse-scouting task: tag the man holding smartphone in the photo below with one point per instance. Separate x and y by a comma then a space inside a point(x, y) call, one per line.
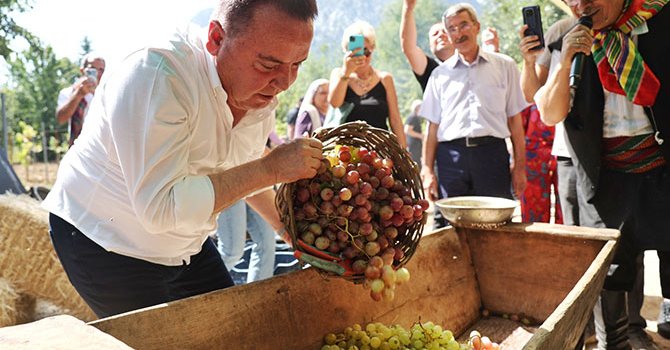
point(73, 101)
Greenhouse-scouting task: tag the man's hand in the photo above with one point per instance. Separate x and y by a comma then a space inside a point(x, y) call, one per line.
point(84, 86)
point(298, 159)
point(429, 183)
point(519, 180)
point(527, 44)
point(409, 4)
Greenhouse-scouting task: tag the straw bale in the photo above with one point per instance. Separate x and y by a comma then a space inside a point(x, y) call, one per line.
point(28, 259)
point(9, 304)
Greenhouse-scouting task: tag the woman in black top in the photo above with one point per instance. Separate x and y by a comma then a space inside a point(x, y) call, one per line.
point(371, 91)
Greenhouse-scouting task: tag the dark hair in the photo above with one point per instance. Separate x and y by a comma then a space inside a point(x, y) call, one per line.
point(235, 15)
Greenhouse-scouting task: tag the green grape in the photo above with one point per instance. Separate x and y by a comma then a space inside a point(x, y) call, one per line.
point(353, 347)
point(330, 339)
point(394, 342)
point(366, 347)
point(365, 339)
point(453, 345)
point(385, 346)
point(325, 347)
point(370, 327)
point(447, 334)
point(404, 338)
point(418, 344)
point(375, 342)
point(386, 333)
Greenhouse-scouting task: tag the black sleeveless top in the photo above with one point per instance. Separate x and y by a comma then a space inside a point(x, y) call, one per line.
point(370, 107)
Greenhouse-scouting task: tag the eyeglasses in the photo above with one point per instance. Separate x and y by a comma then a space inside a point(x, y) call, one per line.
point(461, 27)
point(571, 2)
point(367, 52)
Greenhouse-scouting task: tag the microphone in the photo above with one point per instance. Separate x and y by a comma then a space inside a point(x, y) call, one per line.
point(578, 60)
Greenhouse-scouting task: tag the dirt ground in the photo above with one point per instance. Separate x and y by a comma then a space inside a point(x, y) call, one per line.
point(38, 174)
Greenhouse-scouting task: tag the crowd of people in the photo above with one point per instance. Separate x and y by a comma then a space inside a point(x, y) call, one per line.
point(176, 143)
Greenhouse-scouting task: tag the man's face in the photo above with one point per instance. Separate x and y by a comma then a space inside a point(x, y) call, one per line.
point(263, 60)
point(603, 12)
point(440, 45)
point(462, 31)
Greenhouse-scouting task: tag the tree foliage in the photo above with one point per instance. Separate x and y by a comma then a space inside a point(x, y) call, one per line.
point(37, 76)
point(505, 16)
point(8, 28)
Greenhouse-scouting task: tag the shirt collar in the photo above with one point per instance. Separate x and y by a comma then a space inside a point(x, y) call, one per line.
point(456, 60)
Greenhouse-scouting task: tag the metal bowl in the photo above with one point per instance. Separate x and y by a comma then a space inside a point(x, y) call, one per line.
point(476, 210)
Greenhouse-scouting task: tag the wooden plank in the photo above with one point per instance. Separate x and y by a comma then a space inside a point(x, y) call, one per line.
point(296, 310)
point(558, 331)
point(57, 333)
point(544, 271)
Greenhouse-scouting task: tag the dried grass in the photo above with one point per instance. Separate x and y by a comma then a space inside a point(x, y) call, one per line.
point(9, 304)
point(28, 259)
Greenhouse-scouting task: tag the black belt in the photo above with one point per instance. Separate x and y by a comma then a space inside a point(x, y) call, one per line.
point(474, 141)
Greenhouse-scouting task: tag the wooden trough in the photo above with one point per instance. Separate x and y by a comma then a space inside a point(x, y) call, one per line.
point(550, 274)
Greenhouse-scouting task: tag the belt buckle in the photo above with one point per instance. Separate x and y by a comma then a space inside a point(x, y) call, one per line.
point(468, 144)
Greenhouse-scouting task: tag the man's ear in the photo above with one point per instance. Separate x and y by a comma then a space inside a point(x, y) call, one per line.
point(215, 36)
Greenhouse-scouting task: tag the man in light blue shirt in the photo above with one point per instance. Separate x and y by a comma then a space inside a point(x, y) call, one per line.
point(473, 102)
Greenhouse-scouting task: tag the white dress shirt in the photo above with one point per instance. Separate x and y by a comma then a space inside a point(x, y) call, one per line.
point(473, 99)
point(136, 180)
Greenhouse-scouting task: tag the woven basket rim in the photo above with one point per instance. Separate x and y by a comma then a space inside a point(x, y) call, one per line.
point(386, 145)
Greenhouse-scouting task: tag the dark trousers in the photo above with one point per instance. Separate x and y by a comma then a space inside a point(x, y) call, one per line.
point(111, 283)
point(474, 171)
point(639, 206)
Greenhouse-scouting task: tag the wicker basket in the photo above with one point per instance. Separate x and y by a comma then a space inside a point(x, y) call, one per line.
point(360, 134)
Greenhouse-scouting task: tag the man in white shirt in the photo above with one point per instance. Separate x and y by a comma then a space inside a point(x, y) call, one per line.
point(173, 137)
point(473, 102)
point(74, 100)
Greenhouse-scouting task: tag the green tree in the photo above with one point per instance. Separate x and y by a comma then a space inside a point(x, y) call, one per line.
point(505, 16)
point(389, 56)
point(36, 77)
point(86, 47)
point(8, 28)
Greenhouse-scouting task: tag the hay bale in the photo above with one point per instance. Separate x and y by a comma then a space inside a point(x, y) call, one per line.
point(9, 304)
point(28, 259)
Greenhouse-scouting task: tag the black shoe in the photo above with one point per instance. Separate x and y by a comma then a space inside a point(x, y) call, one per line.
point(664, 319)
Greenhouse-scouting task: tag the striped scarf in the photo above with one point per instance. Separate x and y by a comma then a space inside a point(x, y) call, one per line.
point(620, 65)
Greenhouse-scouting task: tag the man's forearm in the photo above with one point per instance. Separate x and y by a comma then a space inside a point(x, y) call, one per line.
point(65, 112)
point(228, 188)
point(518, 139)
point(429, 147)
point(554, 102)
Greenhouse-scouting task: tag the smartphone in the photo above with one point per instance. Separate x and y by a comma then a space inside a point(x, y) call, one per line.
point(356, 41)
point(533, 18)
point(92, 74)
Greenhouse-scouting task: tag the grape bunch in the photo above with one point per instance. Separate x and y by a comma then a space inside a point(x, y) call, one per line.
point(425, 335)
point(355, 211)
